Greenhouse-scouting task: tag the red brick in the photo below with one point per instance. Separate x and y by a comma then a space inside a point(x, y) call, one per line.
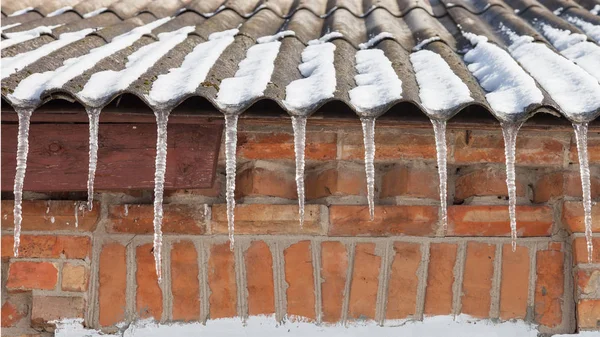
point(573, 184)
point(42, 215)
point(11, 315)
point(25, 275)
point(255, 145)
point(184, 282)
point(139, 219)
point(48, 246)
point(403, 283)
point(74, 277)
point(549, 186)
point(572, 216)
point(148, 294)
point(487, 181)
point(112, 278)
point(588, 282)
point(477, 279)
point(389, 220)
point(494, 221)
point(300, 280)
point(549, 287)
point(514, 284)
point(341, 180)
point(488, 147)
point(440, 278)
point(593, 147)
point(51, 308)
point(365, 282)
point(222, 283)
point(391, 144)
point(588, 314)
point(260, 181)
point(213, 192)
point(418, 182)
point(334, 267)
point(580, 250)
point(268, 219)
point(259, 279)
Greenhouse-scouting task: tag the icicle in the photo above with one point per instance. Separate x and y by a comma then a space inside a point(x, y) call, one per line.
point(368, 126)
point(162, 117)
point(439, 128)
point(299, 125)
point(509, 131)
point(22, 150)
point(94, 118)
point(581, 130)
point(230, 170)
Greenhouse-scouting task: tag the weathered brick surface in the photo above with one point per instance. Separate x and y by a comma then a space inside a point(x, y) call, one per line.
point(75, 277)
point(148, 294)
point(25, 275)
point(487, 181)
point(300, 280)
point(391, 145)
point(580, 250)
point(548, 186)
point(494, 221)
point(12, 313)
point(268, 219)
point(263, 181)
point(184, 281)
point(342, 180)
point(403, 282)
point(588, 282)
point(41, 215)
point(221, 281)
point(259, 279)
point(588, 314)
point(112, 279)
point(549, 287)
point(572, 216)
point(48, 246)
point(138, 219)
point(593, 145)
point(365, 281)
point(514, 283)
point(334, 268)
point(51, 308)
point(418, 182)
point(573, 184)
point(319, 145)
point(389, 220)
point(477, 279)
point(440, 278)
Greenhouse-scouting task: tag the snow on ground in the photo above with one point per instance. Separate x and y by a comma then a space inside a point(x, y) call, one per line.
point(18, 37)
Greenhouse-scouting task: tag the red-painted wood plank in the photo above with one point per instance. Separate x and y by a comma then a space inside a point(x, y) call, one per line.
point(58, 156)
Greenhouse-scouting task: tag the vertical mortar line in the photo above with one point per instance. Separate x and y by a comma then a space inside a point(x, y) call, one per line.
point(569, 303)
point(496, 280)
point(386, 266)
point(282, 282)
point(92, 310)
point(459, 270)
point(131, 286)
point(346, 302)
point(203, 280)
point(59, 266)
point(165, 285)
point(532, 280)
point(240, 276)
point(274, 248)
point(316, 257)
point(422, 273)
point(339, 144)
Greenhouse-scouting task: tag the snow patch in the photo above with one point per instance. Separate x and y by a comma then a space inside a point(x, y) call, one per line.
point(276, 37)
point(375, 40)
point(595, 10)
point(326, 38)
point(59, 11)
point(510, 90)
point(425, 42)
point(9, 26)
point(192, 72)
point(558, 11)
point(103, 84)
point(376, 80)
point(590, 29)
point(18, 37)
point(21, 11)
point(94, 12)
point(439, 87)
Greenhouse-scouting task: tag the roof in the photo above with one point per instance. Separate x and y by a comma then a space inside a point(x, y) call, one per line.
point(539, 55)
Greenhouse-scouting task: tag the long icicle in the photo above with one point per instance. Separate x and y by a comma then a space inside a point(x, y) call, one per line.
point(581, 130)
point(509, 132)
point(162, 118)
point(94, 119)
point(22, 150)
point(230, 170)
point(439, 129)
point(368, 126)
point(299, 125)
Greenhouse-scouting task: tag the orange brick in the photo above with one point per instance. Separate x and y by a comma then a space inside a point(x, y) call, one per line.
point(403, 283)
point(489, 181)
point(365, 281)
point(268, 219)
point(573, 184)
point(139, 219)
point(334, 266)
point(25, 275)
point(580, 250)
point(391, 144)
point(74, 277)
point(255, 145)
point(477, 280)
point(148, 294)
point(588, 282)
point(549, 186)
point(514, 284)
point(48, 246)
point(184, 282)
point(389, 220)
point(112, 277)
point(572, 216)
point(259, 278)
point(52, 308)
point(418, 182)
point(222, 283)
point(42, 215)
point(494, 221)
point(588, 314)
point(549, 287)
point(260, 181)
point(11, 315)
point(440, 277)
point(593, 145)
point(342, 180)
point(300, 280)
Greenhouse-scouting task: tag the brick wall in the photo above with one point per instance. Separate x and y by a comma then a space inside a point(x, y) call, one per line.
point(340, 266)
